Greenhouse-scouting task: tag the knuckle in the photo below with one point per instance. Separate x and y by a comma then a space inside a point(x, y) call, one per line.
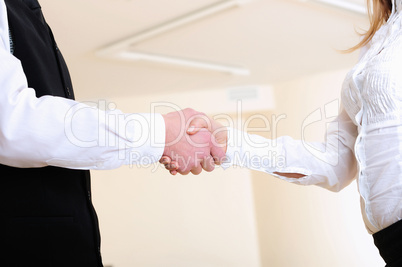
point(189, 110)
point(211, 169)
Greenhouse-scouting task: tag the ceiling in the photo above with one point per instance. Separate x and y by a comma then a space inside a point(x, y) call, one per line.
point(277, 40)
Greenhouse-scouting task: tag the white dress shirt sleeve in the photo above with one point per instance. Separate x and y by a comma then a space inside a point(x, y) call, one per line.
point(331, 165)
point(37, 132)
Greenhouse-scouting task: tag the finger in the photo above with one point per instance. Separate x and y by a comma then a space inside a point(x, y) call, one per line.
point(208, 164)
point(220, 134)
point(184, 172)
point(218, 153)
point(173, 166)
point(197, 170)
point(165, 160)
point(199, 123)
point(188, 164)
point(173, 172)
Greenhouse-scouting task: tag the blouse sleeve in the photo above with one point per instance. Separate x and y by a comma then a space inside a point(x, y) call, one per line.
point(331, 164)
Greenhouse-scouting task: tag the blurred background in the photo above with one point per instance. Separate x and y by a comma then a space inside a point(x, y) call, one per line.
point(276, 58)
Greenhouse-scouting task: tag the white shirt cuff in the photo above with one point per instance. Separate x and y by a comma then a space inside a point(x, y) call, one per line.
point(147, 139)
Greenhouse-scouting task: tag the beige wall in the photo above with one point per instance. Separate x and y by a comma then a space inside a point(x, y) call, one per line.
point(234, 217)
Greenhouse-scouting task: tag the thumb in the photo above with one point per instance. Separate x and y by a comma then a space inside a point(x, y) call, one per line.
point(197, 124)
point(218, 154)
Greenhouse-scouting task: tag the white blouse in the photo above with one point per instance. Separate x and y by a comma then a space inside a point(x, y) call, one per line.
point(366, 138)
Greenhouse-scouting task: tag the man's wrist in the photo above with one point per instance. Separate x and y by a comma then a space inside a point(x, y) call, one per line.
point(150, 132)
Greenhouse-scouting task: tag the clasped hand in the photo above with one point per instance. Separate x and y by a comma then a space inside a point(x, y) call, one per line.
point(193, 142)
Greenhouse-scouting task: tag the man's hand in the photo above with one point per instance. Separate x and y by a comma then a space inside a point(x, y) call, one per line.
point(199, 123)
point(189, 153)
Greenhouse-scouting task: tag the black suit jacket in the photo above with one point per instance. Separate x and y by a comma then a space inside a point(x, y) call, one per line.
point(46, 214)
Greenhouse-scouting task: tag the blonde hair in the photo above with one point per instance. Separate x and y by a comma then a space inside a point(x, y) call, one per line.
point(379, 12)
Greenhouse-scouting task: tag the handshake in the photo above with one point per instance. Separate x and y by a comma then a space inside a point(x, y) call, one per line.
point(193, 142)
